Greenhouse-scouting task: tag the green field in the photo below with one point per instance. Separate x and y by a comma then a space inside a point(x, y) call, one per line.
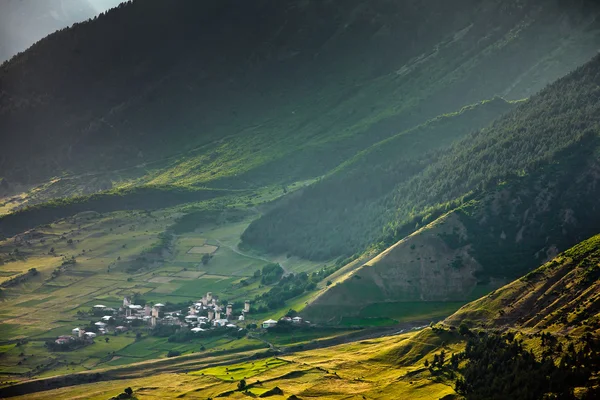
point(106, 248)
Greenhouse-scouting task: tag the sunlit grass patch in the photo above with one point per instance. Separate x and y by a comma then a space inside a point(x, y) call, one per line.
point(242, 371)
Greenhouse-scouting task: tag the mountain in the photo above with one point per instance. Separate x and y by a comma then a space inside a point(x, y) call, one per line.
point(527, 183)
point(231, 93)
point(347, 208)
point(534, 338)
point(561, 294)
point(339, 177)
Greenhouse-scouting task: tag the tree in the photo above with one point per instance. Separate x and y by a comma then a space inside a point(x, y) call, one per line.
point(463, 329)
point(205, 258)
point(107, 339)
point(241, 385)
point(128, 391)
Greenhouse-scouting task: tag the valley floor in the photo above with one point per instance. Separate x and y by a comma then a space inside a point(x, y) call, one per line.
point(372, 369)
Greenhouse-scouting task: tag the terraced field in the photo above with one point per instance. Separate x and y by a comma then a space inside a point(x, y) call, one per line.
point(94, 258)
point(390, 367)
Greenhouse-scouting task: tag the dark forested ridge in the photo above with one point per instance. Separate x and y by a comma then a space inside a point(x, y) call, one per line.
point(240, 87)
point(346, 210)
point(545, 146)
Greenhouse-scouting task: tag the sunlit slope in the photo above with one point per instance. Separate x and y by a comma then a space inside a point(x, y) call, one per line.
point(562, 293)
point(555, 129)
point(351, 203)
point(384, 368)
point(422, 277)
point(531, 185)
point(190, 99)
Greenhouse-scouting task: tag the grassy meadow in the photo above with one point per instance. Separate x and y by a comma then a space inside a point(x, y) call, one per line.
point(94, 258)
point(383, 368)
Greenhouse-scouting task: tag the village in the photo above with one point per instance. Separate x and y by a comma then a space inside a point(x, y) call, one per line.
point(203, 315)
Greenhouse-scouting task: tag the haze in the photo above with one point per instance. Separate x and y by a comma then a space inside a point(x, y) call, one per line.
point(24, 22)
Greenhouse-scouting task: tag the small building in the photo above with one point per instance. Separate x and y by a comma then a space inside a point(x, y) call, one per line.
point(99, 307)
point(231, 326)
point(220, 322)
point(121, 329)
point(90, 335)
point(241, 318)
point(229, 310)
point(270, 323)
point(106, 318)
point(100, 324)
point(61, 341)
point(247, 306)
point(192, 318)
point(297, 320)
point(75, 331)
point(196, 330)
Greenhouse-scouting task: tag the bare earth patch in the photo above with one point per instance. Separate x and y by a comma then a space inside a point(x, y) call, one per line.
point(190, 274)
point(161, 279)
point(206, 249)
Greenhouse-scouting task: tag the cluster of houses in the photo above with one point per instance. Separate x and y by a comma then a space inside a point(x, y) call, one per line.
point(204, 314)
point(207, 313)
point(270, 323)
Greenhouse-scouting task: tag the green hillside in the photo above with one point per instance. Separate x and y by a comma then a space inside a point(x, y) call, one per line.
point(345, 210)
point(534, 338)
point(304, 199)
point(562, 293)
point(545, 130)
point(530, 178)
point(231, 107)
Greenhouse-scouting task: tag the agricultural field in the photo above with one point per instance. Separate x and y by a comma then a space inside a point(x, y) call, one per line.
point(53, 276)
point(94, 258)
point(390, 367)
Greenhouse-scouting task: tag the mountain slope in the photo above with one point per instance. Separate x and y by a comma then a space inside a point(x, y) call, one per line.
point(347, 208)
point(220, 97)
point(533, 135)
point(532, 178)
point(564, 292)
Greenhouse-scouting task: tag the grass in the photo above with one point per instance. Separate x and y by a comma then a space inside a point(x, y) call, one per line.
point(105, 245)
point(367, 368)
point(370, 322)
point(242, 371)
point(300, 337)
point(410, 311)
